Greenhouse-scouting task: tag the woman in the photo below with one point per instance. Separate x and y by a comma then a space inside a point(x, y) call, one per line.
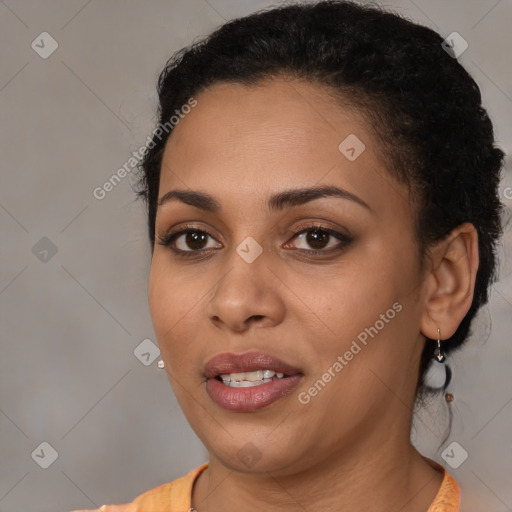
point(322, 208)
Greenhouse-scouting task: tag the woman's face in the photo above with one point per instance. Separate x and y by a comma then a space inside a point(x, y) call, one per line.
point(244, 293)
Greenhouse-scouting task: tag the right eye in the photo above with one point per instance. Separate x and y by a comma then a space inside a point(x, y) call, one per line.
point(189, 240)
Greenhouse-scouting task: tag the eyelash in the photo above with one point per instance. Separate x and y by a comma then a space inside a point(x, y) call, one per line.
point(170, 238)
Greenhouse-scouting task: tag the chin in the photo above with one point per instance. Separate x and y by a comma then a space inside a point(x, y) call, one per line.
point(248, 458)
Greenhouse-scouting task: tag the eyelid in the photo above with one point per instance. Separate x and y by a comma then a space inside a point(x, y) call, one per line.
point(339, 232)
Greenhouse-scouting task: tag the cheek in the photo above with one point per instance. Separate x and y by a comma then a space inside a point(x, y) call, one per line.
point(172, 303)
point(378, 326)
point(367, 313)
point(162, 302)
point(355, 297)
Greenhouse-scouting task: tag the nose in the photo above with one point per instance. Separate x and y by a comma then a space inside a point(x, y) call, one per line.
point(247, 294)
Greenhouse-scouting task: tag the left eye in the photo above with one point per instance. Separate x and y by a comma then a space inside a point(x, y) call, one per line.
point(320, 238)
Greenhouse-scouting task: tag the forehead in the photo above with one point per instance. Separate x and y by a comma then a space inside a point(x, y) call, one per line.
point(235, 120)
point(254, 140)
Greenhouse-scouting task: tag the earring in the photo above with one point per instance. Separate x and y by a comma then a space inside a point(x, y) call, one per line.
point(438, 353)
point(439, 374)
point(440, 357)
point(161, 364)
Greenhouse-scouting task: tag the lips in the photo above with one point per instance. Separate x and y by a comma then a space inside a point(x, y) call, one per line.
point(248, 399)
point(248, 362)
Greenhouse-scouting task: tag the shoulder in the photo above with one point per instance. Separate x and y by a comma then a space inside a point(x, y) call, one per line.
point(176, 494)
point(448, 497)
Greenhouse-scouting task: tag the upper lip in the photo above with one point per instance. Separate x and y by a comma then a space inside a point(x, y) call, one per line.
point(228, 362)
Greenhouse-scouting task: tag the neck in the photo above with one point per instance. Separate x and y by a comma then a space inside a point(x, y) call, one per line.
point(386, 474)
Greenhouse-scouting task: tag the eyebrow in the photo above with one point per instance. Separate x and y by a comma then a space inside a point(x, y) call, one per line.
point(277, 202)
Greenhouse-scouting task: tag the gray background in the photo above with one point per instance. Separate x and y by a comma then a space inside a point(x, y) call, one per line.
point(70, 324)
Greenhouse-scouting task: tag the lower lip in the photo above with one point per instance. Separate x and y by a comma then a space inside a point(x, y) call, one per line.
point(253, 398)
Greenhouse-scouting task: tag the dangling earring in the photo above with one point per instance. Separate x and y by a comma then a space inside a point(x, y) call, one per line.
point(434, 378)
point(438, 353)
point(161, 364)
point(441, 358)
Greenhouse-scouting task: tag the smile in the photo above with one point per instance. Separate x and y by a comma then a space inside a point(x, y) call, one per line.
point(249, 379)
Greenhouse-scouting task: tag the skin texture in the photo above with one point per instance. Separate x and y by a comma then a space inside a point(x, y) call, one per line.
point(242, 144)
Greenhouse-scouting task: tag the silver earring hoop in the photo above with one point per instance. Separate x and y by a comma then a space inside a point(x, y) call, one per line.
point(438, 371)
point(440, 357)
point(438, 352)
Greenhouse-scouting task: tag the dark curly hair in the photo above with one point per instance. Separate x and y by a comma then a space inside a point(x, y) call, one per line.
point(423, 106)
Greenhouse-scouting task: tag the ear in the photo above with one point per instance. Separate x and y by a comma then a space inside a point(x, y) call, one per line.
point(450, 282)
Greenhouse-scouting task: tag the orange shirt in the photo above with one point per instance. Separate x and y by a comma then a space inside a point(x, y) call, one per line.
point(176, 496)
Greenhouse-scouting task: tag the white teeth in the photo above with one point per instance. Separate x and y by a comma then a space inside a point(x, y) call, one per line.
point(250, 376)
point(248, 379)
point(246, 383)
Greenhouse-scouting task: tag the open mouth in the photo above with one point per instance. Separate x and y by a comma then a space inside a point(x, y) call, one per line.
point(250, 379)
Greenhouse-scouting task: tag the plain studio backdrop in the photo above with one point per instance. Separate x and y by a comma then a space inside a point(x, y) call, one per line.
point(79, 394)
